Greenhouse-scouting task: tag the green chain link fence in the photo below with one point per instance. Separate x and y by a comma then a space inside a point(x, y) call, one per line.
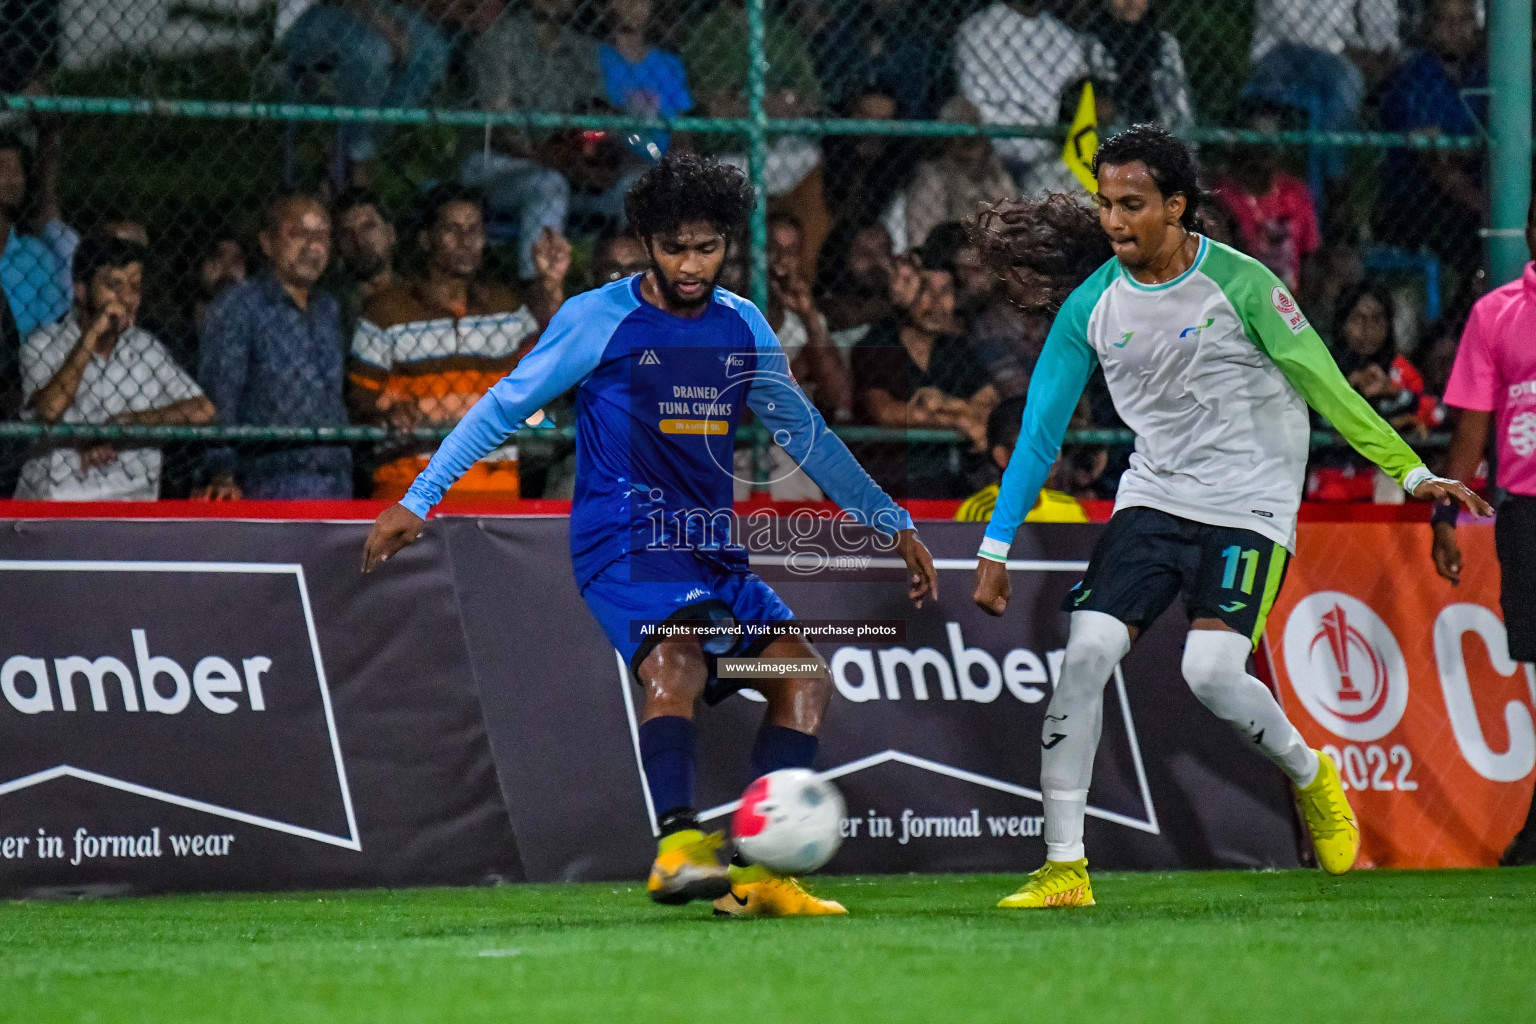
point(1348, 142)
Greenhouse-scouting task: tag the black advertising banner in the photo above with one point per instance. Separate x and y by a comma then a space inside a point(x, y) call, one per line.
point(933, 737)
point(191, 705)
point(232, 705)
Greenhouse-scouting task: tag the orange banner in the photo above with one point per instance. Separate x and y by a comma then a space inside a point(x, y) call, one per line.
point(1406, 681)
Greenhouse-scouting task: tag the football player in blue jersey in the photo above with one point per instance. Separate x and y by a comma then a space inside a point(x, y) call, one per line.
point(663, 363)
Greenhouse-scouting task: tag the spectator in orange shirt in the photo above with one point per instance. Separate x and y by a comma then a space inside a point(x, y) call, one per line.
point(426, 349)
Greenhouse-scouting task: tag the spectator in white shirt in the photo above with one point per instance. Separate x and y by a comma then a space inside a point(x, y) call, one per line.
point(1319, 56)
point(96, 367)
point(1012, 61)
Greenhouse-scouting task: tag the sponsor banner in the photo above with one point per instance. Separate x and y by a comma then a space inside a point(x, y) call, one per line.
point(933, 734)
point(230, 705)
point(1407, 682)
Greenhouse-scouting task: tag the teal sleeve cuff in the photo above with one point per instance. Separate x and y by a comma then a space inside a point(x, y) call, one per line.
point(994, 549)
point(1416, 476)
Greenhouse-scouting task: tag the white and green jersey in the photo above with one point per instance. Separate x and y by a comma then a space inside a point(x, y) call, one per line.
point(1213, 371)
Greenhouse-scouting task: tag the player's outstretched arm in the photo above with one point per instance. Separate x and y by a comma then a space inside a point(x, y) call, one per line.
point(569, 350)
point(1054, 388)
point(1296, 349)
point(800, 430)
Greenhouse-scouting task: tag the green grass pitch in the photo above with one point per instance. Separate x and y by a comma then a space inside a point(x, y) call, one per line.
point(1291, 946)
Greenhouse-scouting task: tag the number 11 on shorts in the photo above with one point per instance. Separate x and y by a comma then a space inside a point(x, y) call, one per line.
point(1250, 559)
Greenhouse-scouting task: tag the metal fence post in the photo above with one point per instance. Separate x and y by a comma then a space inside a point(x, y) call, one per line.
point(1509, 128)
point(757, 73)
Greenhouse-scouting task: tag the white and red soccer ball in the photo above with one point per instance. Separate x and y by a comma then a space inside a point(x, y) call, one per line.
point(789, 821)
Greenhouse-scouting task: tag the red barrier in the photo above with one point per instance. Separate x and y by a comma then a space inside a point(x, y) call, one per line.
point(921, 508)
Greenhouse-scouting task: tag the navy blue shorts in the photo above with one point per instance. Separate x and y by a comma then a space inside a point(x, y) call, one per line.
point(1514, 537)
point(678, 586)
point(1147, 557)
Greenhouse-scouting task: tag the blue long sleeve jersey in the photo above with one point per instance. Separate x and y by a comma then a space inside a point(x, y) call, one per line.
point(658, 400)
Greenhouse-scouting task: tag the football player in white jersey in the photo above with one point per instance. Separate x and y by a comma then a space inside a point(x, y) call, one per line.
point(1212, 365)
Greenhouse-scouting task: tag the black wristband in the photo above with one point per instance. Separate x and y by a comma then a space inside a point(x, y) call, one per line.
point(1446, 513)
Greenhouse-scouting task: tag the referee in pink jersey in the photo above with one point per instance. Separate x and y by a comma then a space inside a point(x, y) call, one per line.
point(1493, 383)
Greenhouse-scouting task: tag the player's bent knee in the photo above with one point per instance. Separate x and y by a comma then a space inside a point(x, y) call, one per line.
point(1095, 645)
point(673, 674)
point(816, 690)
point(1214, 661)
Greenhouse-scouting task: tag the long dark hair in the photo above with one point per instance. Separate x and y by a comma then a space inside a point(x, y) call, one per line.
point(1348, 359)
point(1044, 247)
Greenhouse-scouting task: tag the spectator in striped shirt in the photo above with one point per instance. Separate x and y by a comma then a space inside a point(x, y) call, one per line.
point(426, 349)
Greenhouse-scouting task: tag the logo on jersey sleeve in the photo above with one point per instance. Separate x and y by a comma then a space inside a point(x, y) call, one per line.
point(648, 358)
point(1286, 307)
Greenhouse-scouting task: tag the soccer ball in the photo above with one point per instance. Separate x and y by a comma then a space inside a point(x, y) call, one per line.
point(790, 821)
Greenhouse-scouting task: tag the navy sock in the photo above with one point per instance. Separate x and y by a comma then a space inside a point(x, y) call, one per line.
point(667, 749)
point(777, 747)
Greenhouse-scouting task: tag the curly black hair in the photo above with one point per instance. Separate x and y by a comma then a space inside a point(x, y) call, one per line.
point(1046, 247)
point(1169, 162)
point(686, 187)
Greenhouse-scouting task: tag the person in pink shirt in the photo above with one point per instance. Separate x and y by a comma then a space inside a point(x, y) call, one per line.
point(1493, 382)
point(1273, 210)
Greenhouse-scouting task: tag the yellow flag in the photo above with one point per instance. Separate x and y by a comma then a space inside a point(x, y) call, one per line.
point(1083, 140)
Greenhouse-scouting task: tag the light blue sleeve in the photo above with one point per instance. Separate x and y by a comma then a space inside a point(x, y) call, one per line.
point(798, 428)
point(1057, 383)
point(569, 350)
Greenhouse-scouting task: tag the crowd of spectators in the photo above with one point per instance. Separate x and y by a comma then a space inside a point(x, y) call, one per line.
point(347, 312)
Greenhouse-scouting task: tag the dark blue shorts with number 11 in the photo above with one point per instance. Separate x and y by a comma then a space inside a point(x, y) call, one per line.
point(1148, 557)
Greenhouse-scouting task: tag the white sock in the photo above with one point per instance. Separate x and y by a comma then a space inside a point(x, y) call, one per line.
point(1095, 645)
point(1215, 667)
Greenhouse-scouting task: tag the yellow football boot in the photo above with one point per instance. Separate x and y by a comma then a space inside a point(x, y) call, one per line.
point(1057, 884)
point(687, 868)
point(1335, 833)
point(758, 892)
